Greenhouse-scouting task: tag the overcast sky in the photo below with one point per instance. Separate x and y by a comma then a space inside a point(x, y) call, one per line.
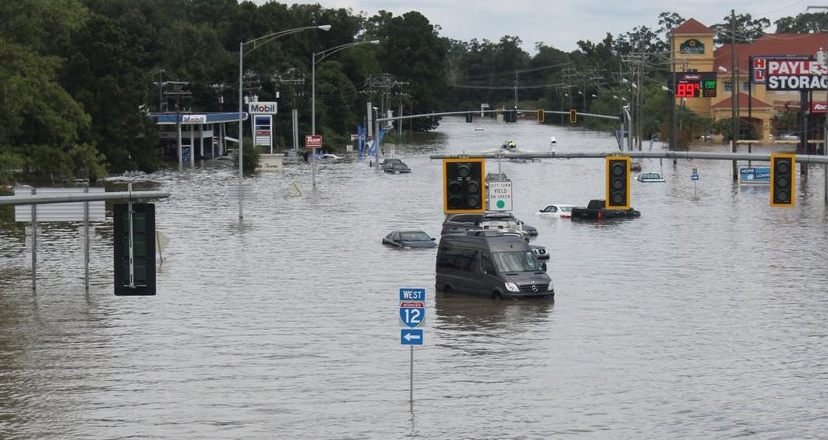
point(561, 24)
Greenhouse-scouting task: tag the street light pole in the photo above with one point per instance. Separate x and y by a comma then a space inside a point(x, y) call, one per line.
point(322, 55)
point(314, 60)
point(256, 42)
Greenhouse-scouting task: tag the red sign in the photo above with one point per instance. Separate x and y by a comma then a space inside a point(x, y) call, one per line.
point(412, 304)
point(818, 107)
point(313, 141)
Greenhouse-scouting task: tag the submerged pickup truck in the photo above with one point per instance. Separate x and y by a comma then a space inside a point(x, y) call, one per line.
point(597, 210)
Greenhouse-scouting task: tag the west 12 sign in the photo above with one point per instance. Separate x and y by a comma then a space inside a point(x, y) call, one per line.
point(696, 85)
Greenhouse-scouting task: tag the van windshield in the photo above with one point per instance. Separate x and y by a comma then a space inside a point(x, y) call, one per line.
point(516, 261)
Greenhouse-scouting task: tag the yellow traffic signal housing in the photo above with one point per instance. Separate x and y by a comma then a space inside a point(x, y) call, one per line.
point(464, 185)
point(573, 116)
point(618, 182)
point(782, 193)
point(541, 115)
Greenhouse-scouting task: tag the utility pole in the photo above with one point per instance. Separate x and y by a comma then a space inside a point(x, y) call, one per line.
point(291, 78)
point(178, 92)
point(734, 91)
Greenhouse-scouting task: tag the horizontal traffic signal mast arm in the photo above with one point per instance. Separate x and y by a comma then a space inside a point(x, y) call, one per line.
point(633, 154)
point(477, 112)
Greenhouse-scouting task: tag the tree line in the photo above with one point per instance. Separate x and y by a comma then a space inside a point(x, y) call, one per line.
point(78, 77)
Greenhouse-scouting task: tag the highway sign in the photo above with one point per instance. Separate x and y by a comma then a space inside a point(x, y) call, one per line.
point(412, 294)
point(412, 314)
point(411, 336)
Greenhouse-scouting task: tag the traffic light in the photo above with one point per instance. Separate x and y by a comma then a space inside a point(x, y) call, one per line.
point(782, 180)
point(618, 182)
point(541, 115)
point(464, 185)
point(134, 249)
point(573, 116)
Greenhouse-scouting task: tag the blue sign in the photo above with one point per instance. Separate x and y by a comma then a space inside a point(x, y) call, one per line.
point(412, 316)
point(694, 177)
point(412, 294)
point(754, 175)
point(411, 336)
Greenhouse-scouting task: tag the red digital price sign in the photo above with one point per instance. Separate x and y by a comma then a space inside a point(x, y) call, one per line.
point(696, 85)
point(688, 90)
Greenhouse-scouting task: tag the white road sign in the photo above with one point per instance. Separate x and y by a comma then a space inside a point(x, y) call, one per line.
point(500, 196)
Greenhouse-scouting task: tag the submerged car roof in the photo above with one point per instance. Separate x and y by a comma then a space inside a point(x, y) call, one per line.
point(495, 240)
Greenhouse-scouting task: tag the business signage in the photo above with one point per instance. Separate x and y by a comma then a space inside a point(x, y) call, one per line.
point(692, 47)
point(696, 85)
point(193, 119)
point(262, 130)
point(794, 73)
point(313, 141)
point(262, 108)
point(754, 175)
point(818, 107)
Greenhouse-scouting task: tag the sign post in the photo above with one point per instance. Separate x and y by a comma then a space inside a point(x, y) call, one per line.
point(694, 176)
point(412, 315)
point(313, 141)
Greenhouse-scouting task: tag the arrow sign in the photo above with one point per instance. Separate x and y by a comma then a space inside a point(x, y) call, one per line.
point(411, 336)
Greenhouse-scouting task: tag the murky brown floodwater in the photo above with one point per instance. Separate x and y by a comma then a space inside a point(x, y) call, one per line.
point(704, 318)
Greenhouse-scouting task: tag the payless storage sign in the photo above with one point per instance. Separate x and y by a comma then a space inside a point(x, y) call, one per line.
point(500, 196)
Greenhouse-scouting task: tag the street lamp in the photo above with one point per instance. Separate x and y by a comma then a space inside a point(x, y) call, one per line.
point(256, 43)
point(319, 56)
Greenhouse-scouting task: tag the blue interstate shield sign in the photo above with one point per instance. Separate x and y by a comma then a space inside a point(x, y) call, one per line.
point(412, 316)
point(411, 336)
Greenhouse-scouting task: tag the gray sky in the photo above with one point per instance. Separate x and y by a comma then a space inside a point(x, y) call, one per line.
point(561, 24)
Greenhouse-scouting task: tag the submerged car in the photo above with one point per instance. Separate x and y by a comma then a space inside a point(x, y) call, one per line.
point(650, 177)
point(397, 168)
point(465, 222)
point(556, 210)
point(409, 238)
point(393, 164)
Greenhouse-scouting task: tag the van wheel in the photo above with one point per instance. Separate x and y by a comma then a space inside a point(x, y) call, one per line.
point(447, 289)
point(496, 295)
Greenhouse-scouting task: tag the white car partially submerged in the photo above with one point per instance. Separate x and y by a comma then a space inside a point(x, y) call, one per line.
point(556, 210)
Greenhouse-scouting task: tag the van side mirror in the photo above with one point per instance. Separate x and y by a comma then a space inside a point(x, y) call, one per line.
point(543, 266)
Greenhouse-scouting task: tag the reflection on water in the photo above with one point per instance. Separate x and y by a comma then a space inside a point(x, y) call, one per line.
point(705, 315)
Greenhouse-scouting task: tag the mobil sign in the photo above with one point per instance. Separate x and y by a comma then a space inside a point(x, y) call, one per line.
point(795, 74)
point(262, 108)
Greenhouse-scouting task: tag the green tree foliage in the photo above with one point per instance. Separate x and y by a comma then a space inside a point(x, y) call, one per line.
point(748, 29)
point(101, 73)
point(413, 52)
point(807, 23)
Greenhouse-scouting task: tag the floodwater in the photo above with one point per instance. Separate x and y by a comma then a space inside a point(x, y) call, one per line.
point(704, 318)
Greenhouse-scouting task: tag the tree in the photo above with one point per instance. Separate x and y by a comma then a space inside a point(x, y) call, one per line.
point(101, 73)
point(414, 53)
point(807, 23)
point(748, 30)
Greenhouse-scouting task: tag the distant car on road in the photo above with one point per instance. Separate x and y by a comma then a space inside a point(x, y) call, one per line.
point(556, 210)
point(789, 137)
point(649, 177)
point(394, 165)
point(409, 238)
point(465, 222)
